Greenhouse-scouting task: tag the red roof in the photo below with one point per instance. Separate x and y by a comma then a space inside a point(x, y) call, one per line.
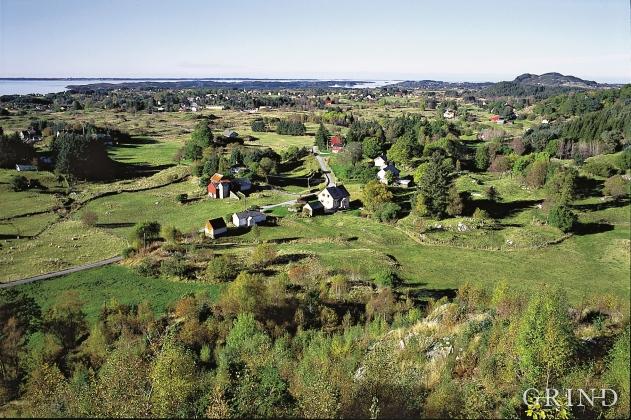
point(495, 117)
point(336, 141)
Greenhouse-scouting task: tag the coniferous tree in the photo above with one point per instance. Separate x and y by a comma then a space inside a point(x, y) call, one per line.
point(322, 137)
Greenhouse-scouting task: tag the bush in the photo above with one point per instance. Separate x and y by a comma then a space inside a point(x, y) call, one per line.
point(148, 267)
point(146, 232)
point(128, 252)
point(616, 186)
point(19, 183)
point(562, 217)
point(170, 233)
point(89, 218)
point(480, 214)
point(263, 254)
point(258, 125)
point(387, 277)
point(181, 198)
point(221, 268)
point(387, 212)
point(600, 168)
point(624, 160)
point(177, 267)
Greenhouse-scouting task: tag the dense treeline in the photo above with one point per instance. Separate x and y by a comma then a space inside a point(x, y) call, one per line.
point(245, 356)
point(291, 127)
point(14, 150)
point(82, 156)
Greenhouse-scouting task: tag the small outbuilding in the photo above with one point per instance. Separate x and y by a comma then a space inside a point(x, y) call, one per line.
point(248, 218)
point(313, 208)
point(215, 228)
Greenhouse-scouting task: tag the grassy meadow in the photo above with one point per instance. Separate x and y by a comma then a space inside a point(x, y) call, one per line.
point(515, 248)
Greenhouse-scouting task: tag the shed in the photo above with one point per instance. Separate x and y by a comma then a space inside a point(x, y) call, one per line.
point(312, 208)
point(215, 228)
point(248, 218)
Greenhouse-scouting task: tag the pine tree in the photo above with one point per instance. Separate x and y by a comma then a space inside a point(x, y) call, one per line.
point(322, 137)
point(434, 187)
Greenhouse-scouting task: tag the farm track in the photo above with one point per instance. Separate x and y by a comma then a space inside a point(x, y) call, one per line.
point(60, 273)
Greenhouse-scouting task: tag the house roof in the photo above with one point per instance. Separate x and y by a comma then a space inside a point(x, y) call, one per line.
point(315, 205)
point(337, 192)
point(216, 223)
point(250, 213)
point(390, 168)
point(216, 177)
point(336, 141)
point(229, 133)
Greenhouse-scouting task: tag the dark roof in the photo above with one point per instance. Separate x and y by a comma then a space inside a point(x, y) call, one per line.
point(315, 205)
point(246, 214)
point(338, 192)
point(217, 223)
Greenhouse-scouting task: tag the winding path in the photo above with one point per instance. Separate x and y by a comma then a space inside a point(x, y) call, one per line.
point(60, 273)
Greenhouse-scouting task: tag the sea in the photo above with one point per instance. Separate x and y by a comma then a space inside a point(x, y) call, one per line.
point(44, 86)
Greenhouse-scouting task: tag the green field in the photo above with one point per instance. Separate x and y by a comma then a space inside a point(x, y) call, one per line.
point(102, 285)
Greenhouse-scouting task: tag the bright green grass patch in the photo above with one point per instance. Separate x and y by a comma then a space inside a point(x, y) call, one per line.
point(145, 152)
point(101, 285)
point(278, 142)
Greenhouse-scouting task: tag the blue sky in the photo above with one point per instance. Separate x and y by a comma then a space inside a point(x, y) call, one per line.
point(394, 39)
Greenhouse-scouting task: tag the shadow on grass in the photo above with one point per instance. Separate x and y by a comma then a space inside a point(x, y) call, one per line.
point(591, 228)
point(603, 205)
point(114, 225)
point(499, 210)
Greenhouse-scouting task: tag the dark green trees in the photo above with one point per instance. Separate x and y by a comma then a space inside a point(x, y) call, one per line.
point(13, 150)
point(322, 137)
point(434, 187)
point(201, 138)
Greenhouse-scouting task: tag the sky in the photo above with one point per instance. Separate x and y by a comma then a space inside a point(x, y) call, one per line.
point(457, 40)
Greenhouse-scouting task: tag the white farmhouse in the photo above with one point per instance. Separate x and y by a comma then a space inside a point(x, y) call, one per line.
point(334, 198)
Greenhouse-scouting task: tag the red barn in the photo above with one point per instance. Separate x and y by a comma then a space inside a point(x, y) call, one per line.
point(495, 118)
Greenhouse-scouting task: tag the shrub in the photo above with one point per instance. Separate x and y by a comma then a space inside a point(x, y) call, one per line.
point(480, 214)
point(258, 125)
point(562, 217)
point(263, 254)
point(616, 186)
point(89, 218)
point(600, 168)
point(148, 267)
point(177, 267)
point(221, 268)
point(387, 277)
point(455, 203)
point(624, 160)
point(170, 233)
point(146, 232)
point(181, 198)
point(128, 252)
point(387, 212)
point(19, 183)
